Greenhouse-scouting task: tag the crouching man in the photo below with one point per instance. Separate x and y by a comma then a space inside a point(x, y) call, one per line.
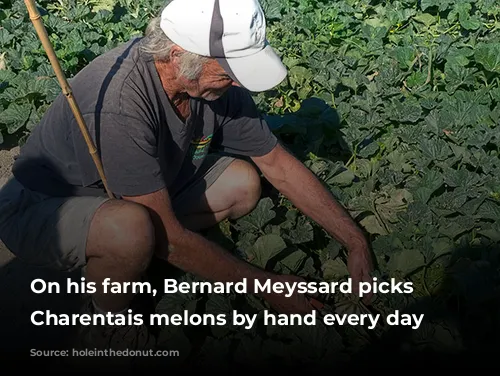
point(155, 107)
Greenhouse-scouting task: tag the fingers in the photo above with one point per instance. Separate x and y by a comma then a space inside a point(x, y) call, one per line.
point(361, 276)
point(314, 295)
point(311, 305)
point(295, 304)
point(355, 285)
point(367, 298)
point(316, 304)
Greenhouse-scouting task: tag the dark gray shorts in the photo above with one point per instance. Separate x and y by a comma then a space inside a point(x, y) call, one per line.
point(40, 229)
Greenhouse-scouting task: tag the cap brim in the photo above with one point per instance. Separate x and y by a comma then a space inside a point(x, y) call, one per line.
point(261, 71)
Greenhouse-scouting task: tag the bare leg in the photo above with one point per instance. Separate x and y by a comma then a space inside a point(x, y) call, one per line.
point(234, 194)
point(120, 246)
point(121, 239)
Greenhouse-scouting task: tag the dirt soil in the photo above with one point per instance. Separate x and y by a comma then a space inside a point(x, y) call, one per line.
point(17, 332)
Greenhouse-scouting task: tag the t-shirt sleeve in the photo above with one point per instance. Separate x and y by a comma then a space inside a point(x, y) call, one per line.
point(242, 130)
point(129, 155)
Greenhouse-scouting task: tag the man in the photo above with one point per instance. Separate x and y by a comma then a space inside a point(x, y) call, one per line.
point(154, 106)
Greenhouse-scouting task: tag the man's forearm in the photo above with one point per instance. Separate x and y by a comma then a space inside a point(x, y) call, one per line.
point(307, 193)
point(194, 254)
point(191, 252)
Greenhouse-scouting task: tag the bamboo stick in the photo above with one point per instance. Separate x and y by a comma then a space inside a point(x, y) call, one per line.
point(36, 19)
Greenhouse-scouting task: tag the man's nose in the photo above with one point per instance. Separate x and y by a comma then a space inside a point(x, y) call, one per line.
point(234, 83)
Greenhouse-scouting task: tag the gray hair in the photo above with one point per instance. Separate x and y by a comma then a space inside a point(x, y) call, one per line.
point(159, 45)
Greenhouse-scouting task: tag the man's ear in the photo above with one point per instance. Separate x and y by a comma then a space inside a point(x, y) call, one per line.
point(175, 53)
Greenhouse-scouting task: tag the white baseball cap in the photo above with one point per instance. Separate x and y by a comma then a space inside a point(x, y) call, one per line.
point(233, 32)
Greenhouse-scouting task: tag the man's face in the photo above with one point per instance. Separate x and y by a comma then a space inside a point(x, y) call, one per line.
point(212, 83)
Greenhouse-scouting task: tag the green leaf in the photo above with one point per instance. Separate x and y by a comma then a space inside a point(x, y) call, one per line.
point(5, 37)
point(343, 179)
point(491, 231)
point(489, 210)
point(435, 149)
point(104, 5)
point(488, 55)
point(15, 116)
point(425, 18)
point(457, 76)
point(301, 233)
point(266, 247)
point(334, 269)
point(441, 5)
point(294, 261)
point(406, 261)
point(258, 218)
point(372, 224)
point(219, 304)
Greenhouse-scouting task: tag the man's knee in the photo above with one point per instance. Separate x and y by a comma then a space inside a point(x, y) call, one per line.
point(122, 230)
point(246, 187)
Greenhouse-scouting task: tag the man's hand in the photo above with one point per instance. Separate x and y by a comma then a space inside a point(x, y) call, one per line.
point(360, 265)
point(296, 303)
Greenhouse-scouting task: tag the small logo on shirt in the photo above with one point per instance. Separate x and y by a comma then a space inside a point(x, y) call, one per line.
point(199, 147)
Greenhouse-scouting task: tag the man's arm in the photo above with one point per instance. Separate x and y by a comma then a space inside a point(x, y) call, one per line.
point(305, 191)
point(190, 251)
point(194, 254)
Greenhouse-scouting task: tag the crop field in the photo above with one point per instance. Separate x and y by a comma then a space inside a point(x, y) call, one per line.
point(395, 106)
